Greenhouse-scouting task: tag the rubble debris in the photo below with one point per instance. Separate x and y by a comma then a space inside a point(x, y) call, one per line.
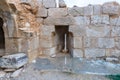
point(13, 61)
point(2, 74)
point(16, 73)
point(112, 59)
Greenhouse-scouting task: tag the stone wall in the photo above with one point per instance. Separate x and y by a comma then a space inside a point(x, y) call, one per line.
point(95, 29)
point(29, 26)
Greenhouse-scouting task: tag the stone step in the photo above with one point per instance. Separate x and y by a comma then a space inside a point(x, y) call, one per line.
point(13, 61)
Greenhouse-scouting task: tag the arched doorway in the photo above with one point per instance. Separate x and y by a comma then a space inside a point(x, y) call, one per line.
point(2, 38)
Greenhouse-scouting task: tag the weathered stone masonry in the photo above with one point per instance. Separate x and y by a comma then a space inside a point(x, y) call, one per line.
point(38, 28)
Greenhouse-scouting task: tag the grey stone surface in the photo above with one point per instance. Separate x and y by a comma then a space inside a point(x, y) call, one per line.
point(114, 21)
point(98, 31)
point(42, 12)
point(117, 42)
point(57, 12)
point(115, 52)
point(80, 20)
point(77, 53)
point(49, 3)
point(106, 42)
point(13, 61)
point(94, 52)
point(62, 4)
point(16, 73)
point(46, 30)
point(97, 9)
point(90, 42)
point(115, 31)
point(59, 21)
point(100, 19)
point(46, 43)
point(77, 42)
point(76, 11)
point(78, 30)
point(118, 21)
point(88, 10)
point(111, 8)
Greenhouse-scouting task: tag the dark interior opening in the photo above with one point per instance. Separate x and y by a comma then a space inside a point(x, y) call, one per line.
point(60, 32)
point(2, 38)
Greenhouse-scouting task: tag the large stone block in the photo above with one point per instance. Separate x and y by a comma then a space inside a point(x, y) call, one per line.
point(94, 52)
point(97, 10)
point(62, 4)
point(100, 19)
point(77, 42)
point(39, 20)
point(80, 20)
point(46, 43)
point(49, 3)
point(76, 11)
point(13, 61)
point(77, 53)
point(111, 8)
point(98, 31)
point(114, 21)
point(118, 21)
point(59, 21)
point(117, 42)
point(106, 42)
point(46, 30)
point(77, 30)
point(113, 52)
point(115, 31)
point(11, 45)
point(57, 12)
point(90, 42)
point(42, 12)
point(88, 10)
point(49, 51)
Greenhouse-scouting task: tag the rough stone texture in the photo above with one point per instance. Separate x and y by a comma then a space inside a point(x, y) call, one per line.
point(59, 21)
point(29, 26)
point(57, 12)
point(77, 30)
point(115, 31)
point(88, 10)
point(42, 12)
point(40, 20)
point(77, 53)
point(80, 20)
point(111, 8)
point(77, 42)
point(98, 31)
point(49, 3)
point(90, 42)
point(97, 9)
point(114, 21)
point(76, 11)
point(100, 19)
point(13, 61)
point(94, 52)
point(117, 42)
point(46, 30)
point(62, 4)
point(113, 52)
point(46, 43)
point(106, 42)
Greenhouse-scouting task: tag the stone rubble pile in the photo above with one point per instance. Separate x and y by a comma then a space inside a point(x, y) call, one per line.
point(13, 64)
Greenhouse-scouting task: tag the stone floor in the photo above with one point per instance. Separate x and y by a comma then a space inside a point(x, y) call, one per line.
point(77, 65)
point(64, 67)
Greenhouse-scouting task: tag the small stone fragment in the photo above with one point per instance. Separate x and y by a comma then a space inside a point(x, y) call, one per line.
point(2, 74)
point(16, 73)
